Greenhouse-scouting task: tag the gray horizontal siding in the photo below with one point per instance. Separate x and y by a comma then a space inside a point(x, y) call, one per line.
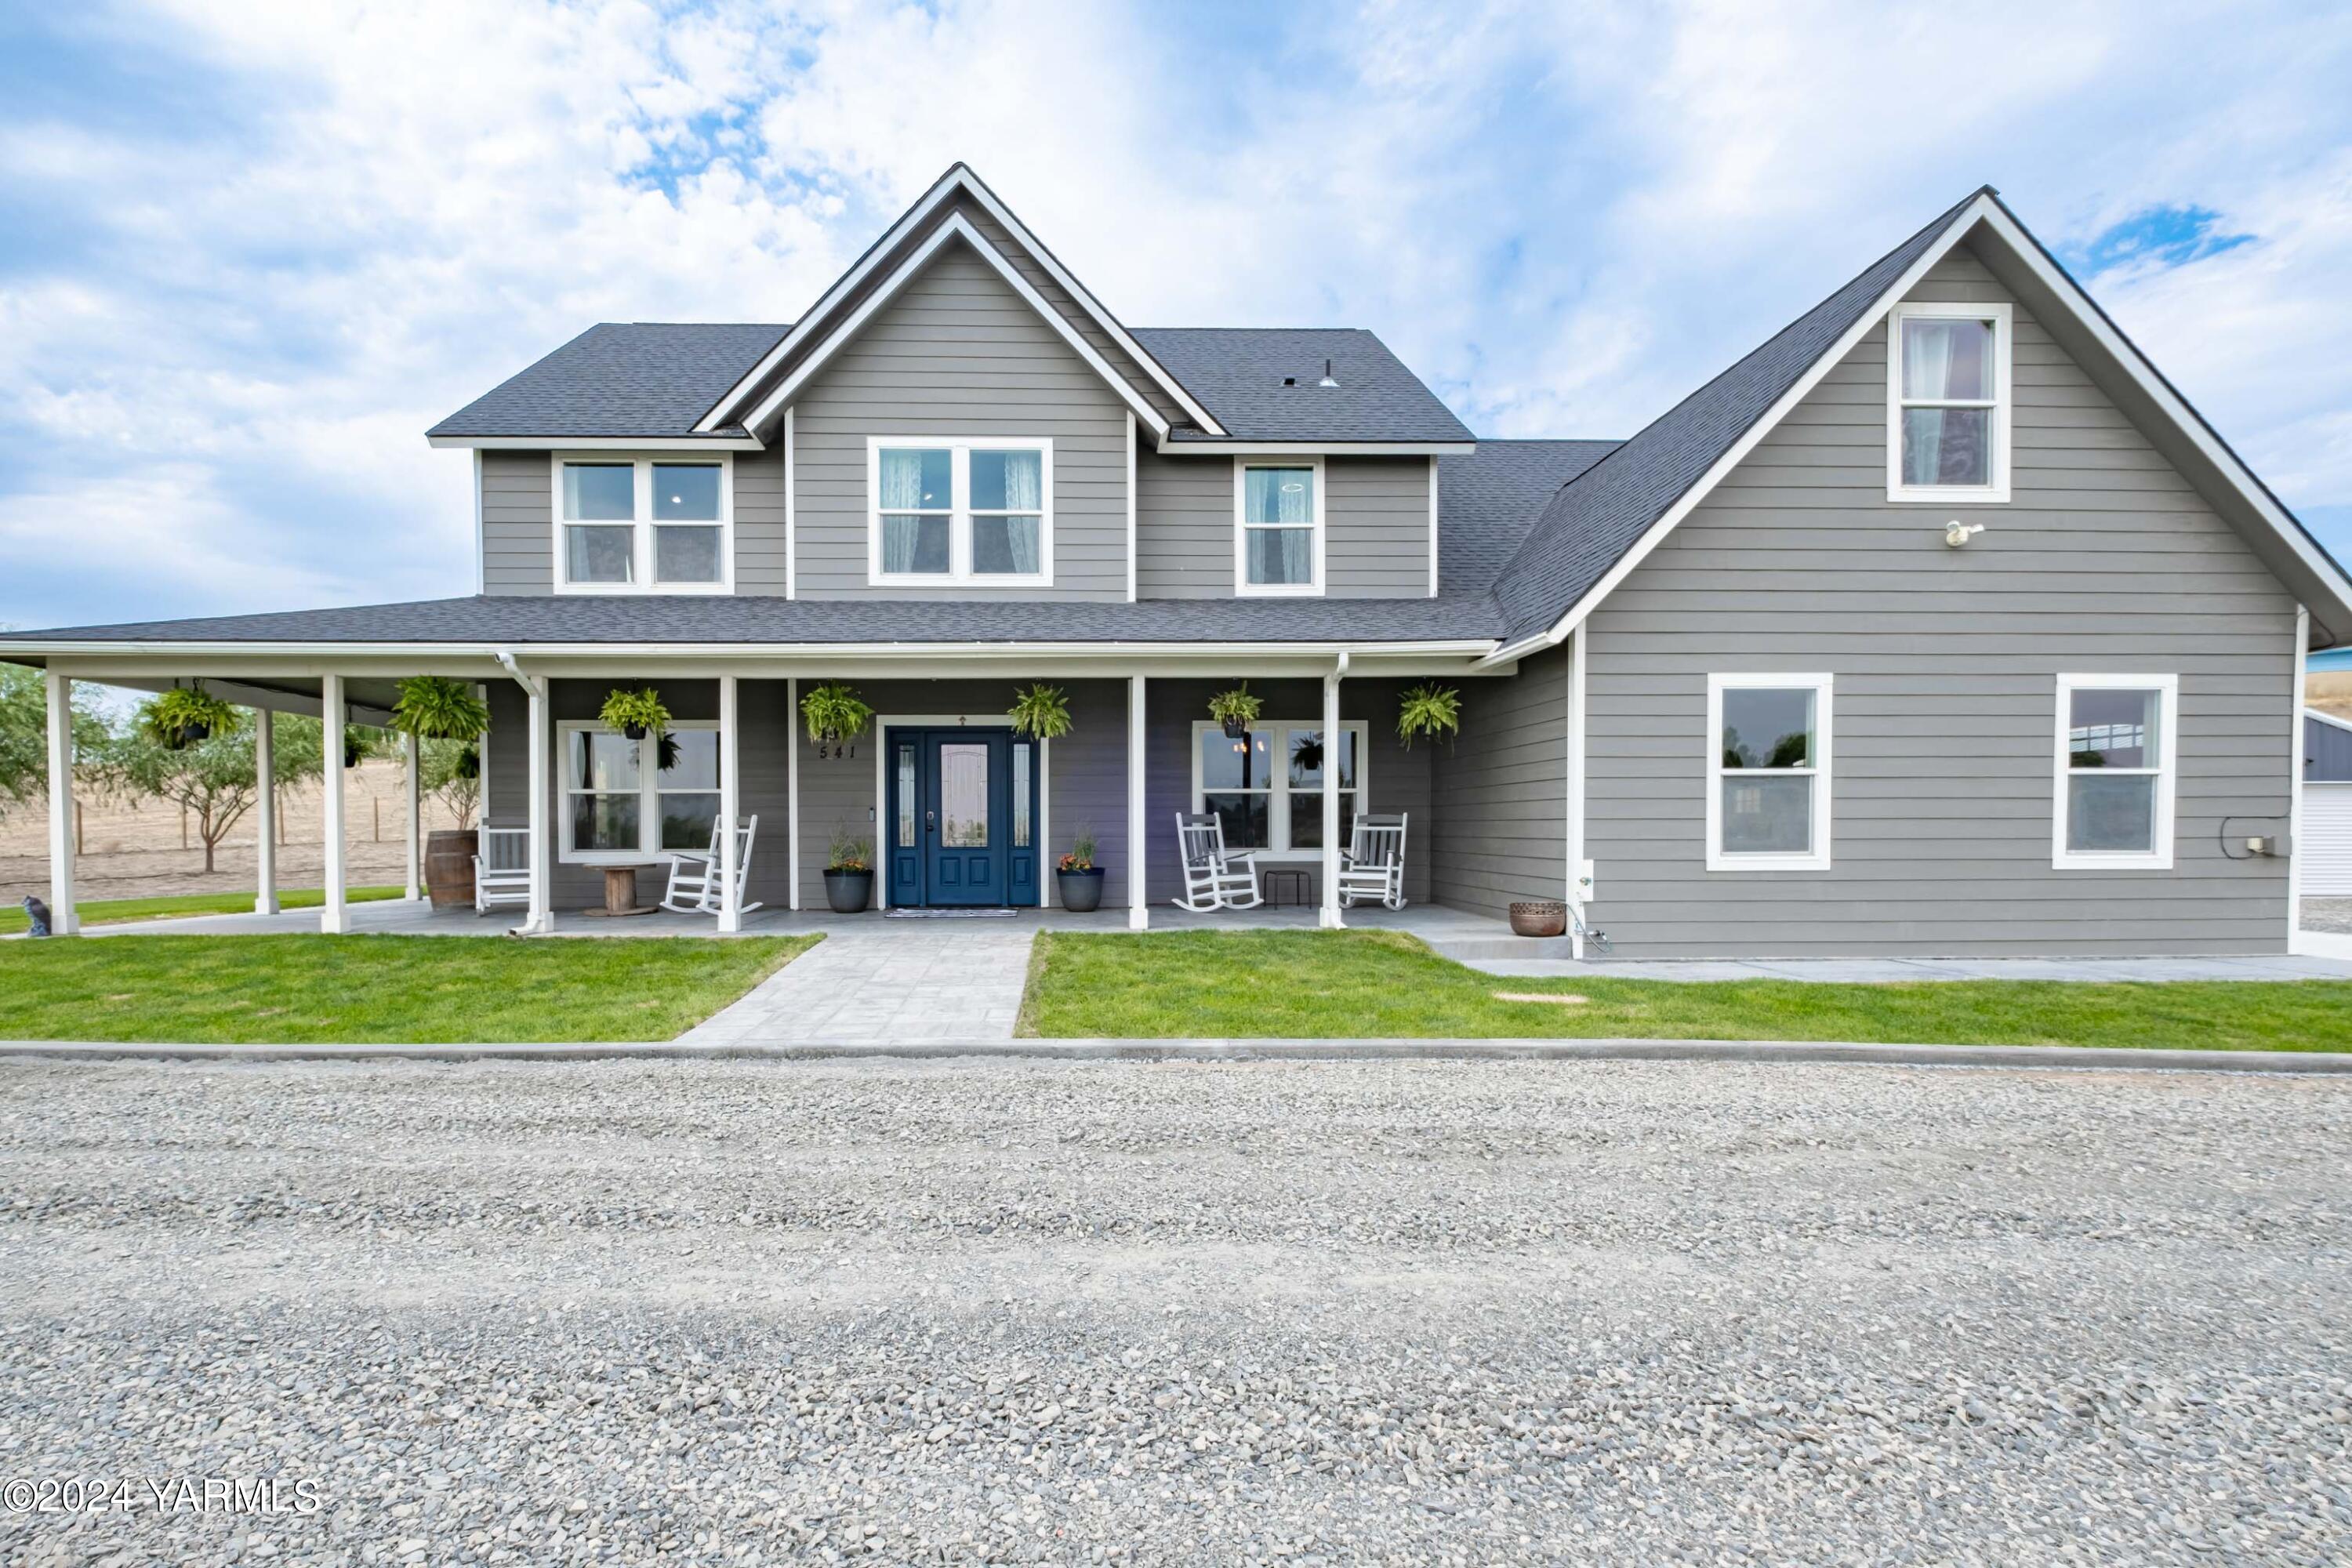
point(517, 530)
point(1375, 516)
point(957, 353)
point(1946, 665)
point(1502, 833)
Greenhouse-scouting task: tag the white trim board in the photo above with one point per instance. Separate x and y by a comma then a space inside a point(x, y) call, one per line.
point(961, 179)
point(1985, 210)
point(599, 443)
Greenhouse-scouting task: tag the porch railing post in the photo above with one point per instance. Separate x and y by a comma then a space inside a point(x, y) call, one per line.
point(334, 912)
point(1139, 907)
point(63, 919)
point(730, 895)
point(1329, 917)
point(415, 758)
point(265, 808)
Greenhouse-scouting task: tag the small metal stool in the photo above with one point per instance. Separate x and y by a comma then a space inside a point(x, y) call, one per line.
point(1279, 877)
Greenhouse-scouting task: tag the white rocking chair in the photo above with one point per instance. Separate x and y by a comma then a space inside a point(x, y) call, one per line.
point(696, 881)
point(1374, 867)
point(1215, 878)
point(502, 868)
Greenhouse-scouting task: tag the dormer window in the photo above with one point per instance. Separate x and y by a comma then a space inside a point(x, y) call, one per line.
point(1947, 398)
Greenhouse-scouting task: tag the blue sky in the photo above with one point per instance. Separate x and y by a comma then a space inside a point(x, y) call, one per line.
point(248, 253)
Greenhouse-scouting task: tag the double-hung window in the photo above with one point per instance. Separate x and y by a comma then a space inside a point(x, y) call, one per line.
point(627, 800)
point(1278, 526)
point(978, 512)
point(643, 525)
point(1768, 793)
point(2115, 773)
point(1267, 786)
point(1947, 402)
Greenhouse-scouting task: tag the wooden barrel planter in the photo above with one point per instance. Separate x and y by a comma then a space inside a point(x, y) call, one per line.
point(449, 867)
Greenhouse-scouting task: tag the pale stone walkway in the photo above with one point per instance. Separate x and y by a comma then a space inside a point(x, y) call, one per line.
point(945, 981)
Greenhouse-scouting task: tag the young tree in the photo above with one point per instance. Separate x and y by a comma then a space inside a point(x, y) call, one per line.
point(453, 775)
point(213, 780)
point(25, 732)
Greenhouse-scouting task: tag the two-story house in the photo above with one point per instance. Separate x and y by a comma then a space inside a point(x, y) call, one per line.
point(1938, 624)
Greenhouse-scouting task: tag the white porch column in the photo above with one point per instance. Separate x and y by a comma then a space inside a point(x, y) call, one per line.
point(1139, 907)
point(334, 914)
point(1330, 919)
point(731, 804)
point(792, 778)
point(540, 919)
point(1579, 885)
point(265, 808)
point(415, 752)
point(63, 921)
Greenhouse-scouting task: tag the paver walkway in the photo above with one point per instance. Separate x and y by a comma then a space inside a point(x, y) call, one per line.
point(946, 981)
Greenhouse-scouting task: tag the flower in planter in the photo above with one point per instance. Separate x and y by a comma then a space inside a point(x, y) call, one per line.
point(1081, 855)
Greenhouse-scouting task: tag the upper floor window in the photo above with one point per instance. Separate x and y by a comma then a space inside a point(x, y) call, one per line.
point(2115, 765)
point(643, 525)
point(1278, 527)
point(1948, 400)
point(1768, 802)
point(972, 511)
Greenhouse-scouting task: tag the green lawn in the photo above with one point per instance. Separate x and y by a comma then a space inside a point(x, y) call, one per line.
point(115, 912)
point(376, 990)
point(1325, 984)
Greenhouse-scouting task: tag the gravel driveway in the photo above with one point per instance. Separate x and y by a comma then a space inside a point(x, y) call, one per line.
point(1029, 1311)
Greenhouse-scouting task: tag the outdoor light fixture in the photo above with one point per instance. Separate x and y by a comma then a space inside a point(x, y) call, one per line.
point(1957, 533)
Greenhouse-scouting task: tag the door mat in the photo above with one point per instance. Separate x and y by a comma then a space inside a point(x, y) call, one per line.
point(947, 914)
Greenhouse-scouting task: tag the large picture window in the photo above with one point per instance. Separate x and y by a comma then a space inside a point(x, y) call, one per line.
point(2115, 773)
point(1268, 787)
point(1278, 526)
point(1768, 801)
point(628, 800)
point(1948, 400)
point(969, 512)
point(643, 525)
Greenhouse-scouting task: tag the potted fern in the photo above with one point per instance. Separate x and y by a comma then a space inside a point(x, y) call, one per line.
point(1078, 880)
point(1235, 711)
point(849, 872)
point(185, 715)
point(435, 708)
point(635, 715)
point(834, 714)
point(1428, 708)
point(1042, 713)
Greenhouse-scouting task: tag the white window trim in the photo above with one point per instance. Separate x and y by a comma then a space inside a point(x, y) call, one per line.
point(1822, 687)
point(960, 513)
point(1277, 810)
point(2158, 858)
point(648, 795)
point(642, 581)
point(1242, 588)
point(2002, 403)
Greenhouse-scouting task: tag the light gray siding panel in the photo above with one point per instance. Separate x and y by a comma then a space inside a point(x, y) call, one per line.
point(1375, 516)
point(1946, 664)
point(957, 353)
point(517, 537)
point(1501, 826)
point(760, 522)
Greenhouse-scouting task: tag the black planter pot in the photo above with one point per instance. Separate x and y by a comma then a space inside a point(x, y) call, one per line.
point(469, 763)
point(186, 735)
point(351, 754)
point(1236, 729)
point(849, 891)
point(634, 731)
point(1080, 891)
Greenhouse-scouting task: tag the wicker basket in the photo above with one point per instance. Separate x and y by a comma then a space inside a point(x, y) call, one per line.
point(1539, 917)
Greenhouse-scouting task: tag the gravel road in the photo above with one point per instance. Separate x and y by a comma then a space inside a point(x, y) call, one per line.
point(1022, 1310)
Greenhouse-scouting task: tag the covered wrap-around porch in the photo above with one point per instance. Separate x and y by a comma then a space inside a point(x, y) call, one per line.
point(1141, 749)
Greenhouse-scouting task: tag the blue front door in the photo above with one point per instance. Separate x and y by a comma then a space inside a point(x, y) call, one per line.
point(961, 816)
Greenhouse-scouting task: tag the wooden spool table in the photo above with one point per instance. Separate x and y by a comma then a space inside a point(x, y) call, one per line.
point(621, 893)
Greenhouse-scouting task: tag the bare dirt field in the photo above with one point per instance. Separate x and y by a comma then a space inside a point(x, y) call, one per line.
point(139, 850)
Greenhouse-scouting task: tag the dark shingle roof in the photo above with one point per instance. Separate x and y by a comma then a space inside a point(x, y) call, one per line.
point(718, 618)
point(1487, 503)
point(1236, 373)
point(1592, 522)
point(619, 378)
